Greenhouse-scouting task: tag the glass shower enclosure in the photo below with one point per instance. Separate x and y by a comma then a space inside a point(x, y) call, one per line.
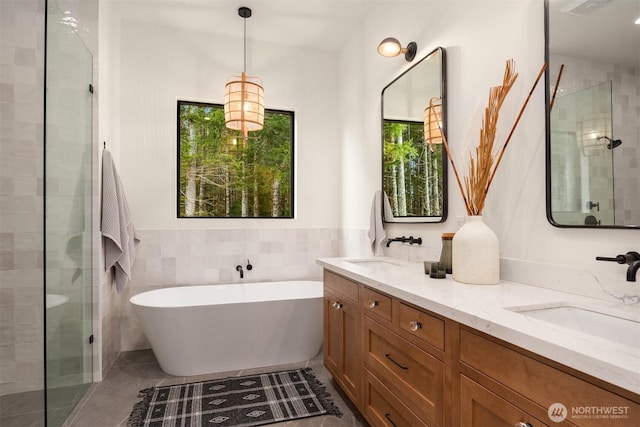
point(68, 217)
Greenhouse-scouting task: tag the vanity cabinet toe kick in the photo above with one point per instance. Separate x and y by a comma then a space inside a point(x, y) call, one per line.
point(402, 365)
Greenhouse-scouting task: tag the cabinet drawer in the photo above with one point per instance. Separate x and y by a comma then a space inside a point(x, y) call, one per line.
point(376, 303)
point(382, 408)
point(413, 375)
point(480, 407)
point(542, 383)
point(424, 326)
point(341, 285)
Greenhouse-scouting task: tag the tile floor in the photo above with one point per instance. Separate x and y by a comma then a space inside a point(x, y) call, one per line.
point(108, 403)
point(27, 409)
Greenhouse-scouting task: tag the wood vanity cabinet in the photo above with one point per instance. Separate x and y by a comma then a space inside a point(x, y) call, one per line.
point(480, 407)
point(413, 372)
point(402, 365)
point(500, 379)
point(342, 334)
point(387, 356)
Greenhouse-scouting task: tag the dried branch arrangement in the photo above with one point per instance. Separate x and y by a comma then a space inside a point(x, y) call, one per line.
point(483, 167)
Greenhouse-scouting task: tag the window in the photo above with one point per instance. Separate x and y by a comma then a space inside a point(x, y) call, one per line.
point(223, 175)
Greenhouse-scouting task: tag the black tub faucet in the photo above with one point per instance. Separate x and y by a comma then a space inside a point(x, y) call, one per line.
point(240, 269)
point(632, 258)
point(632, 271)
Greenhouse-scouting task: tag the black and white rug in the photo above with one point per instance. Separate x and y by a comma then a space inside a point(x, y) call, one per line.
point(237, 401)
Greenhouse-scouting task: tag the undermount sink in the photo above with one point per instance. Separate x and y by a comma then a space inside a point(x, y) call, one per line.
point(609, 324)
point(370, 262)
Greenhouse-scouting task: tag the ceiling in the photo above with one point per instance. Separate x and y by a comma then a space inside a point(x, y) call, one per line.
point(605, 32)
point(317, 24)
point(600, 30)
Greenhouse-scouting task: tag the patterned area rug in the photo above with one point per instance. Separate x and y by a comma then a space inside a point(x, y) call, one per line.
point(238, 401)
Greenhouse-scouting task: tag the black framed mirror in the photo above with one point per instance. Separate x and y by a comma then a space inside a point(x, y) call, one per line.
point(414, 162)
point(593, 113)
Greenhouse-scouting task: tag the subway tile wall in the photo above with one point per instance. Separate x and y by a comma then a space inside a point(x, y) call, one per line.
point(21, 195)
point(167, 258)
point(582, 74)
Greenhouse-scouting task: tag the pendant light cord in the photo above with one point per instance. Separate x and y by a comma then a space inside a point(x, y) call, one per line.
point(245, 45)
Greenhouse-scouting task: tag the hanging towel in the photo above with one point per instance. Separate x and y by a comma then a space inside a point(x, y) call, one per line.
point(118, 233)
point(376, 234)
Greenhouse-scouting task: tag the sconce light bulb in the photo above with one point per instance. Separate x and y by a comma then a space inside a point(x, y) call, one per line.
point(637, 21)
point(389, 47)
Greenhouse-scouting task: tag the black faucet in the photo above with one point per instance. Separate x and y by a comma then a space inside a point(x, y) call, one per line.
point(241, 270)
point(403, 239)
point(632, 258)
point(632, 271)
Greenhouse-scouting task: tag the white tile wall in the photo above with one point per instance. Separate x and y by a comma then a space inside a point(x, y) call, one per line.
point(582, 74)
point(21, 157)
point(195, 257)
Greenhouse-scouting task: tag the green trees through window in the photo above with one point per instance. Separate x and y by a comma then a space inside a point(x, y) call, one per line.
point(223, 175)
point(412, 172)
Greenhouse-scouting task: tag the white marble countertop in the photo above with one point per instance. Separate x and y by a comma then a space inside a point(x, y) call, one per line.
point(485, 308)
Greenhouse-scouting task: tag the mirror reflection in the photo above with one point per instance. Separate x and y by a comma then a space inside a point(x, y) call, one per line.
point(413, 160)
point(593, 151)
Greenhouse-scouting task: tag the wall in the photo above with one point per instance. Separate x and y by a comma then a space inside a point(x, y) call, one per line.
point(185, 65)
point(479, 36)
point(337, 105)
point(21, 201)
point(110, 302)
point(22, 76)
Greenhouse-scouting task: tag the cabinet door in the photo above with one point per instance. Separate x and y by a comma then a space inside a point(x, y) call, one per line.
point(333, 347)
point(342, 349)
point(480, 407)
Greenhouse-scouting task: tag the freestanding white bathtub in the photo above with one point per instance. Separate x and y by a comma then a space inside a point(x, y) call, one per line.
point(197, 330)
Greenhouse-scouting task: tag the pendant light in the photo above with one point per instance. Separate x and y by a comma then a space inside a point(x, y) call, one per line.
point(244, 95)
point(433, 122)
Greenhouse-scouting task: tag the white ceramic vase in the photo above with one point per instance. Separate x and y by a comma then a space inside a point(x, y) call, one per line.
point(476, 253)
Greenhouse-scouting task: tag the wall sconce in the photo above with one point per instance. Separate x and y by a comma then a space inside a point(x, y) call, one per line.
point(391, 47)
point(433, 122)
point(244, 95)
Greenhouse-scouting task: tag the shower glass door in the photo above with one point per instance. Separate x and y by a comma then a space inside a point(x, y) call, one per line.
point(67, 208)
point(582, 172)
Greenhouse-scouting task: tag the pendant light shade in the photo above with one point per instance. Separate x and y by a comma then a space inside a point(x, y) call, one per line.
point(244, 95)
point(591, 135)
point(244, 103)
point(433, 122)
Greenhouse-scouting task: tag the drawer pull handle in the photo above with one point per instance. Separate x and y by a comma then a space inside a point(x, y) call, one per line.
point(388, 417)
point(521, 424)
point(388, 356)
point(414, 325)
point(372, 304)
point(336, 305)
